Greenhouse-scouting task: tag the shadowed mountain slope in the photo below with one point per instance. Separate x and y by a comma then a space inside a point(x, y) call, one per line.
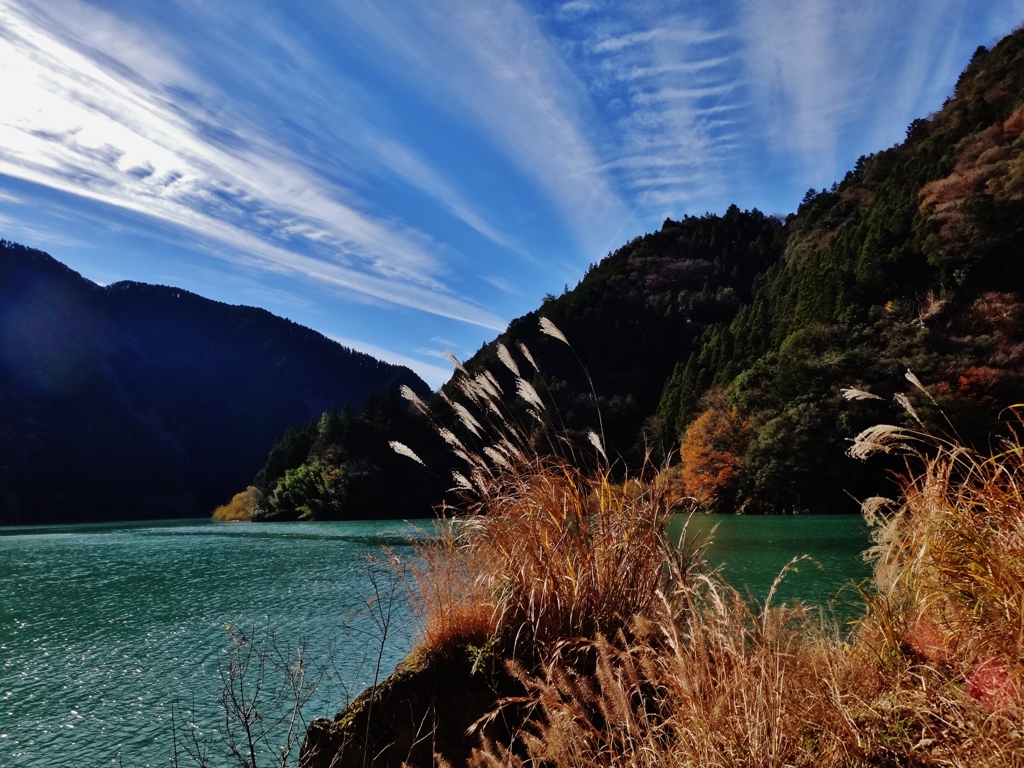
point(142, 401)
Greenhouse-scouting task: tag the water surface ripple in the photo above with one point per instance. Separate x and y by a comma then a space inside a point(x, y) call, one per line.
point(103, 627)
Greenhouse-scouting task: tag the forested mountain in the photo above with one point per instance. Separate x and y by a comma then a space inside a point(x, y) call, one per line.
point(912, 261)
point(630, 318)
point(722, 344)
point(144, 401)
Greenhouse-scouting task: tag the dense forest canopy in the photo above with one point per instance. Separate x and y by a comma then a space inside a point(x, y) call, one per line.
point(725, 341)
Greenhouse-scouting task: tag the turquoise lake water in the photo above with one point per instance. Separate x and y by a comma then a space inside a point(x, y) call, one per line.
point(752, 550)
point(103, 628)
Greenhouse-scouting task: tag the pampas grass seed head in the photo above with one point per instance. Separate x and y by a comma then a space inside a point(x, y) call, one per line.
point(881, 438)
point(529, 394)
point(851, 393)
point(413, 398)
point(506, 358)
point(403, 450)
point(528, 356)
point(451, 358)
point(546, 326)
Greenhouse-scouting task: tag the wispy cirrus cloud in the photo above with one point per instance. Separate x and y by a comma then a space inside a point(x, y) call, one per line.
point(825, 77)
point(87, 116)
point(799, 54)
point(665, 82)
point(415, 171)
point(488, 61)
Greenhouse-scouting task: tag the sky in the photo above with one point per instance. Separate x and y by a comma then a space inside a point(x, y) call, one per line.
point(408, 176)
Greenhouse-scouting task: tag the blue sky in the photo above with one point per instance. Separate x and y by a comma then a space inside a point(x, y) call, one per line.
point(408, 176)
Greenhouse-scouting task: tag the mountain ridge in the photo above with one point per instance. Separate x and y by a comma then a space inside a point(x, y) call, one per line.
point(184, 394)
point(722, 343)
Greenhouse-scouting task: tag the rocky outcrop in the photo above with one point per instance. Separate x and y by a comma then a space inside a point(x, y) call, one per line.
point(431, 705)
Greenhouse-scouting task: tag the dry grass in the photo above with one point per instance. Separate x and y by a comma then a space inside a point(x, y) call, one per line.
point(543, 550)
point(932, 676)
point(632, 654)
point(713, 685)
point(550, 554)
point(240, 507)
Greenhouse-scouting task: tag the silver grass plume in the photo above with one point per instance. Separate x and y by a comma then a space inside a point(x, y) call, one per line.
point(449, 437)
point(451, 358)
point(486, 386)
point(595, 440)
point(494, 382)
point(496, 411)
point(871, 507)
point(526, 391)
point(470, 389)
point(501, 449)
point(851, 393)
point(481, 480)
point(471, 460)
point(506, 358)
point(462, 481)
point(467, 419)
point(904, 403)
point(881, 438)
point(496, 457)
point(528, 356)
point(512, 450)
point(909, 376)
point(546, 326)
point(403, 450)
point(413, 398)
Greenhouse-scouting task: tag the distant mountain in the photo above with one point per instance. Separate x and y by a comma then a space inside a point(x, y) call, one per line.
point(136, 401)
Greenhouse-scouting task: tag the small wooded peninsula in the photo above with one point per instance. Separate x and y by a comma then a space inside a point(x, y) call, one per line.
point(728, 339)
point(135, 401)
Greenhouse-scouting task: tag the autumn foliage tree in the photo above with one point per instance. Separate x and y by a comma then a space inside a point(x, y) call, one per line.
point(712, 451)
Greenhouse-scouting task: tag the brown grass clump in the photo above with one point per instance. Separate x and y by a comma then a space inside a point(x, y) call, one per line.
point(703, 681)
point(949, 606)
point(931, 676)
point(454, 604)
point(632, 654)
point(240, 507)
point(549, 555)
point(544, 550)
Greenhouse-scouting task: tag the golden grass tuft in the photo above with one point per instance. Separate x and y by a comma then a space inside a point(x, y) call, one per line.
point(633, 654)
point(930, 676)
point(548, 554)
point(240, 508)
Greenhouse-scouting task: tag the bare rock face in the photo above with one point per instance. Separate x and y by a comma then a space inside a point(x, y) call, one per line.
point(431, 705)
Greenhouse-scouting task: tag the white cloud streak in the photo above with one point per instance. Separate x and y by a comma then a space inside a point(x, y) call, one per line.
point(102, 124)
point(820, 71)
point(417, 173)
point(488, 60)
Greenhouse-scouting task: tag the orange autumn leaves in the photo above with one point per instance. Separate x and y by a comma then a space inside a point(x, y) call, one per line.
point(712, 452)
